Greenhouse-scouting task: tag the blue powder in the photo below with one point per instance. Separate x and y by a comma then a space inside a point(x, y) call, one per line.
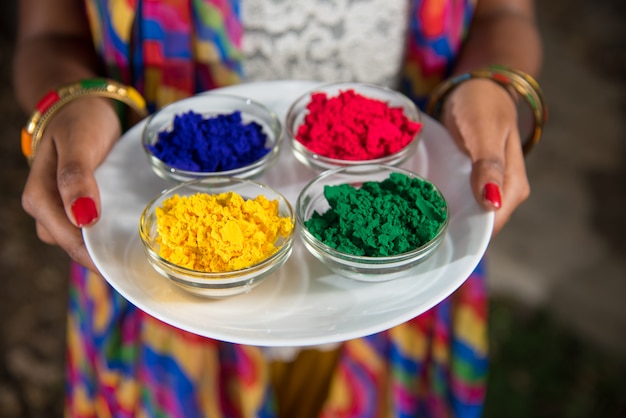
point(217, 143)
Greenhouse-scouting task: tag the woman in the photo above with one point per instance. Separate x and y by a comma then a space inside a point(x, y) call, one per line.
point(122, 362)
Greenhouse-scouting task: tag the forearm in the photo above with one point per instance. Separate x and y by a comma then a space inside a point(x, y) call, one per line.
point(503, 34)
point(44, 62)
point(53, 47)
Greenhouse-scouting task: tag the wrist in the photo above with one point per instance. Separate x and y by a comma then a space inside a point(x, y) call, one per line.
point(100, 112)
point(50, 104)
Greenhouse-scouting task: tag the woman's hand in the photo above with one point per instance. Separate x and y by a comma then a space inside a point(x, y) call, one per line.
point(482, 118)
point(61, 193)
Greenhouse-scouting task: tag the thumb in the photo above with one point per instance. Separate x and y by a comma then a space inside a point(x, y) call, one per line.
point(479, 115)
point(499, 182)
point(487, 180)
point(82, 143)
point(80, 195)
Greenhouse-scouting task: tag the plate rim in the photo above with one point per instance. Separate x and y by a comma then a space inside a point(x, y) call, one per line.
point(90, 238)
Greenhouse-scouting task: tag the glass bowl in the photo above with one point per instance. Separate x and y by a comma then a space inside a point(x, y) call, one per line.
point(216, 284)
point(359, 267)
point(298, 111)
point(212, 105)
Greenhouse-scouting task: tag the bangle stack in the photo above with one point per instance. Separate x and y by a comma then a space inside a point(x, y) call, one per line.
point(522, 83)
point(53, 101)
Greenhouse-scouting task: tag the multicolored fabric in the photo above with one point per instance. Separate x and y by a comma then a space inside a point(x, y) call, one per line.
point(123, 363)
point(437, 29)
point(168, 49)
point(181, 47)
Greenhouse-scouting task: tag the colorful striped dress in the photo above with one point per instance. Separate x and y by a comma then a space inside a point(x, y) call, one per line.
point(123, 363)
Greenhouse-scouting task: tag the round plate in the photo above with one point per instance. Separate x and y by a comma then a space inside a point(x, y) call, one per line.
point(303, 303)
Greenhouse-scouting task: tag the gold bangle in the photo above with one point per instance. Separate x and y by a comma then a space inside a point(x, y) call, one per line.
point(525, 85)
point(54, 100)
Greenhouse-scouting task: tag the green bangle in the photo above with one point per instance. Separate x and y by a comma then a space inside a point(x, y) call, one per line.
point(54, 100)
point(526, 86)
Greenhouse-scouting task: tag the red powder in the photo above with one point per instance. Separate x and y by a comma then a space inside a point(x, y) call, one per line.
point(351, 126)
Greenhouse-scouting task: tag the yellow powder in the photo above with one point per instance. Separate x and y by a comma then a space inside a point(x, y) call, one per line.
point(222, 232)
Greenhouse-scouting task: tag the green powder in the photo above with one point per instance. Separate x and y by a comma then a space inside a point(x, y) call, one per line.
point(380, 219)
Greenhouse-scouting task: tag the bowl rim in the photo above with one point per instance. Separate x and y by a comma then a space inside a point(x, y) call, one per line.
point(276, 127)
point(217, 277)
point(299, 148)
point(368, 260)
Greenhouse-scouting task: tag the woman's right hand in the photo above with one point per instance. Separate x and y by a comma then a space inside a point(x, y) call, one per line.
point(61, 192)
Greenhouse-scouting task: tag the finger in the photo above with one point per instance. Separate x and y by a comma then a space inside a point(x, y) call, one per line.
point(516, 188)
point(487, 180)
point(72, 245)
point(44, 235)
point(488, 167)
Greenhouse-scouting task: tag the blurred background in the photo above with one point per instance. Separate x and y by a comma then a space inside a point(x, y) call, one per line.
point(558, 271)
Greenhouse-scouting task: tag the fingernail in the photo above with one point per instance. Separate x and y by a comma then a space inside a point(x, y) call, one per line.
point(491, 192)
point(84, 210)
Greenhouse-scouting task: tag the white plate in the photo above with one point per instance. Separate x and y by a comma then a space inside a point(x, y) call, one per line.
point(303, 303)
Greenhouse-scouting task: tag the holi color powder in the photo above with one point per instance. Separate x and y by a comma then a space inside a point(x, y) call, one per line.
point(219, 233)
point(214, 144)
point(378, 219)
point(350, 126)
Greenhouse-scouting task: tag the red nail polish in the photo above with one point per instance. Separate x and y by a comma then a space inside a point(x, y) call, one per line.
point(84, 210)
point(491, 192)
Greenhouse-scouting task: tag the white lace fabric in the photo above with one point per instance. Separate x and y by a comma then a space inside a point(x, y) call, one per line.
point(328, 40)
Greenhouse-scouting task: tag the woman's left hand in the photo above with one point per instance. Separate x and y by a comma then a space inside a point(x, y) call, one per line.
point(482, 118)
